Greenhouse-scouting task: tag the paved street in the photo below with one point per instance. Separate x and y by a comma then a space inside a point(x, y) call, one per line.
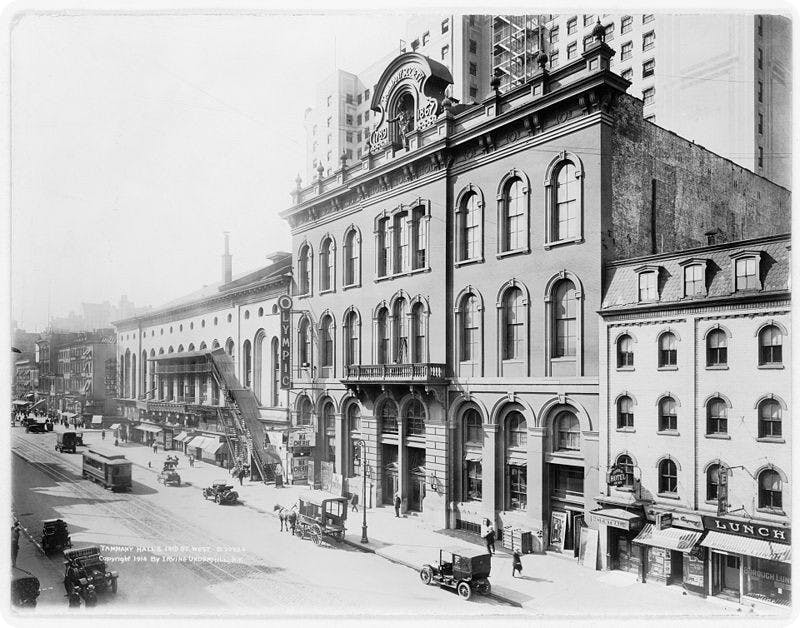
point(196, 556)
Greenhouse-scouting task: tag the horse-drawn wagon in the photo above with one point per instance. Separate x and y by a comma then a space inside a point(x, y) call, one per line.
point(321, 516)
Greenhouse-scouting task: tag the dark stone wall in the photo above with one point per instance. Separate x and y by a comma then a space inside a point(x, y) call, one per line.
point(695, 191)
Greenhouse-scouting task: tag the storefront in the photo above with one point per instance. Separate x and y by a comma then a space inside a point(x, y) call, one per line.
point(664, 549)
point(749, 559)
point(179, 441)
point(566, 507)
point(301, 460)
point(146, 433)
point(209, 448)
point(619, 528)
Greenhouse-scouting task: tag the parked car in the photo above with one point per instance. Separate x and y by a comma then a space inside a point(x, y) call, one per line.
point(36, 428)
point(221, 492)
point(169, 476)
point(24, 588)
point(66, 441)
point(460, 571)
point(85, 569)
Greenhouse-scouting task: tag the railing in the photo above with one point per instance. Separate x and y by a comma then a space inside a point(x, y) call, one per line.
point(163, 369)
point(421, 372)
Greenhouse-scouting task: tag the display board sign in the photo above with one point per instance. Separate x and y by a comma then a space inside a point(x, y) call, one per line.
point(558, 529)
point(722, 490)
point(693, 572)
point(167, 439)
point(302, 439)
point(749, 529)
point(587, 556)
point(285, 307)
point(325, 475)
point(663, 520)
point(616, 476)
point(299, 470)
point(337, 484)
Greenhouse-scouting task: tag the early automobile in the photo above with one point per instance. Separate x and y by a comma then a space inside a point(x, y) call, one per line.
point(169, 476)
point(221, 492)
point(24, 588)
point(55, 535)
point(36, 427)
point(462, 571)
point(66, 441)
point(85, 569)
point(321, 515)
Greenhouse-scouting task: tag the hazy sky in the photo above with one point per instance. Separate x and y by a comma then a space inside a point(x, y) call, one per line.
point(136, 140)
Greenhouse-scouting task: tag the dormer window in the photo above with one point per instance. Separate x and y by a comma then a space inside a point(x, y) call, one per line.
point(694, 277)
point(746, 270)
point(648, 283)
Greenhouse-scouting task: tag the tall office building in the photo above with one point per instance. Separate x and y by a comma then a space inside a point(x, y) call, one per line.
point(721, 80)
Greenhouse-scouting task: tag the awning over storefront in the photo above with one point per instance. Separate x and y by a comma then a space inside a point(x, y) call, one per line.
point(153, 429)
point(209, 444)
point(615, 517)
point(747, 546)
point(20, 402)
point(670, 538)
point(473, 456)
point(518, 463)
point(97, 419)
point(183, 436)
point(68, 415)
point(116, 426)
point(37, 403)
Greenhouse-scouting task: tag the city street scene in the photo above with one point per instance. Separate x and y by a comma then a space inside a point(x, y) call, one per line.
point(376, 316)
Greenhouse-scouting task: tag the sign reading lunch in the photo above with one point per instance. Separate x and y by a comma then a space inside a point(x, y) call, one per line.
point(751, 530)
point(285, 305)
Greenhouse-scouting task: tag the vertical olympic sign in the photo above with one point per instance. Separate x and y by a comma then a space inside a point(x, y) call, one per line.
point(285, 306)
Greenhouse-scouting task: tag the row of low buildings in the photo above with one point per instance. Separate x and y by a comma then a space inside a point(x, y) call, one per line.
point(542, 309)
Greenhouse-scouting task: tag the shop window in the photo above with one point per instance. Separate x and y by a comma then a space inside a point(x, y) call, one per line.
point(326, 264)
point(625, 463)
point(667, 477)
point(568, 432)
point(388, 417)
point(354, 430)
point(352, 258)
point(329, 425)
point(667, 350)
point(769, 419)
point(624, 413)
point(517, 487)
point(625, 352)
point(513, 324)
point(384, 248)
point(351, 341)
point(383, 336)
point(473, 428)
point(564, 319)
point(418, 324)
point(514, 217)
point(516, 431)
point(716, 416)
point(770, 490)
point(770, 346)
point(712, 483)
point(418, 238)
point(326, 330)
point(667, 415)
point(469, 220)
point(415, 418)
point(717, 348)
point(473, 480)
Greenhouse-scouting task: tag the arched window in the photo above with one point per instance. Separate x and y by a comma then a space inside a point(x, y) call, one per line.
point(667, 476)
point(229, 346)
point(415, 418)
point(276, 372)
point(565, 216)
point(418, 332)
point(472, 445)
point(712, 483)
point(514, 219)
point(246, 317)
point(401, 349)
point(469, 225)
point(667, 350)
point(770, 346)
point(180, 348)
point(384, 248)
point(304, 343)
point(354, 430)
point(513, 325)
point(716, 417)
point(717, 348)
point(351, 346)
point(770, 490)
point(303, 271)
point(564, 319)
point(191, 347)
point(473, 427)
point(247, 364)
point(667, 414)
point(304, 412)
point(326, 331)
point(516, 442)
point(215, 345)
point(625, 352)
point(769, 419)
point(567, 432)
point(203, 346)
point(326, 265)
point(625, 463)
point(624, 413)
point(260, 313)
point(171, 349)
point(470, 328)
point(383, 336)
point(329, 427)
point(352, 262)
point(419, 238)
point(388, 416)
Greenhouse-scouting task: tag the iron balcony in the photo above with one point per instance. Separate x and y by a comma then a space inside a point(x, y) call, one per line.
point(420, 373)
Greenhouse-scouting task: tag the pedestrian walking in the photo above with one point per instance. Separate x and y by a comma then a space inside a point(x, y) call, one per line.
point(397, 503)
point(103, 434)
point(517, 564)
point(241, 476)
point(155, 448)
point(14, 543)
point(487, 534)
point(116, 442)
point(191, 460)
point(149, 465)
point(354, 502)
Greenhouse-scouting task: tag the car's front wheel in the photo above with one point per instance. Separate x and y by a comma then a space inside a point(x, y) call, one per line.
point(426, 574)
point(464, 590)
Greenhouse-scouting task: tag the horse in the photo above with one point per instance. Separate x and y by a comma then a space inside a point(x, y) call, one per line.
point(288, 517)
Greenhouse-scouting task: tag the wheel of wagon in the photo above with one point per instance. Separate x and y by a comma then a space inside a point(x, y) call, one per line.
point(217, 498)
point(426, 574)
point(464, 590)
point(316, 535)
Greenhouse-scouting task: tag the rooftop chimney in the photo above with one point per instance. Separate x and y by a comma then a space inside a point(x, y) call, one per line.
point(226, 261)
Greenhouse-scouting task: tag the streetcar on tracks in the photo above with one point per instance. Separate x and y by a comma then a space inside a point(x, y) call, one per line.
point(112, 471)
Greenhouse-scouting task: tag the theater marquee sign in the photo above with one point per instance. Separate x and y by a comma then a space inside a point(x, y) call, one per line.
point(285, 360)
point(749, 529)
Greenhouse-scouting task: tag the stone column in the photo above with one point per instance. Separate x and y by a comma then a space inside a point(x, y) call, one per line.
point(492, 475)
point(538, 487)
point(341, 451)
point(197, 388)
point(175, 387)
point(209, 390)
point(158, 392)
point(371, 459)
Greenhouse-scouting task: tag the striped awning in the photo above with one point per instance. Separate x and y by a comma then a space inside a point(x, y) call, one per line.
point(747, 546)
point(518, 462)
point(153, 429)
point(209, 444)
point(183, 436)
point(676, 539)
point(473, 456)
point(114, 427)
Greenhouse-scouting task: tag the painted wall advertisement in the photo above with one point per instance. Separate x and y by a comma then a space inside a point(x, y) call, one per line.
point(558, 529)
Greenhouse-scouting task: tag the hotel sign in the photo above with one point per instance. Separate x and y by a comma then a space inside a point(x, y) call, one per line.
point(285, 305)
point(751, 530)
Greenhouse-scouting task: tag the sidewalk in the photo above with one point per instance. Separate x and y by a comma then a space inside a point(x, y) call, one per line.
point(551, 584)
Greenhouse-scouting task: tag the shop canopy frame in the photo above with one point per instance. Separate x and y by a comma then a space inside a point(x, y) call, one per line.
point(757, 548)
point(148, 428)
point(677, 539)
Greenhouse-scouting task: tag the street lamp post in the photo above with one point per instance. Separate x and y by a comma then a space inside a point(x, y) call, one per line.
point(363, 445)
